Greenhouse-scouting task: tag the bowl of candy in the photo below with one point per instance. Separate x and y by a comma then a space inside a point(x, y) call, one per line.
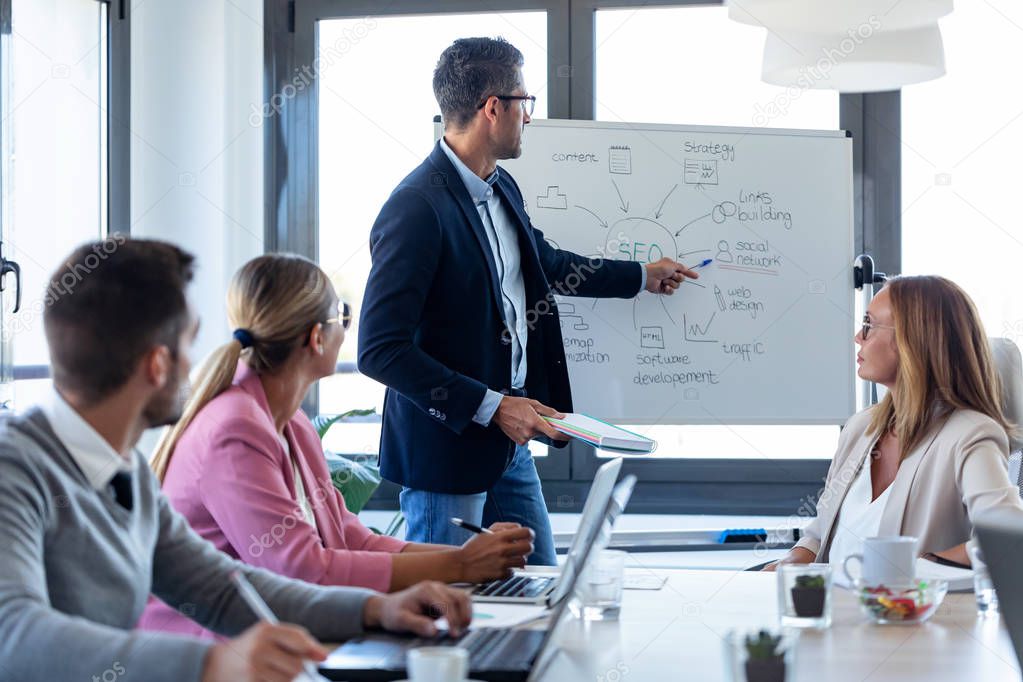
point(901, 604)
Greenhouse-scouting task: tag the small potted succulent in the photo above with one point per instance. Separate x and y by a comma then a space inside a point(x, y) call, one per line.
point(808, 596)
point(765, 658)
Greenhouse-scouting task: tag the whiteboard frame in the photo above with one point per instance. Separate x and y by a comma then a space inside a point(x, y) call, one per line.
point(681, 127)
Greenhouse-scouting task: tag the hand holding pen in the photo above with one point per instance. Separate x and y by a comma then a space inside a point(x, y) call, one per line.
point(665, 275)
point(270, 650)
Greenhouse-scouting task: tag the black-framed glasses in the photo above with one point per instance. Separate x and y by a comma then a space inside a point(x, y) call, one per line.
point(868, 325)
point(344, 315)
point(528, 102)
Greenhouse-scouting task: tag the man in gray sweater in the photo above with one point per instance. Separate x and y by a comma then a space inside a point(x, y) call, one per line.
point(85, 534)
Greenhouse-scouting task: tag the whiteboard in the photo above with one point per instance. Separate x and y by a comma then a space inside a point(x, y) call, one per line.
point(765, 335)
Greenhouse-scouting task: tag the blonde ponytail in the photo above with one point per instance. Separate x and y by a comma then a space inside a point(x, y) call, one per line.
point(214, 377)
point(272, 302)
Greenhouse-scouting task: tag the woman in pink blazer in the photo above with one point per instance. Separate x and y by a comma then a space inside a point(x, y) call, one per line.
point(245, 466)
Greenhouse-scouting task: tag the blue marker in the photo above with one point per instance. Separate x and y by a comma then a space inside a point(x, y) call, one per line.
point(702, 264)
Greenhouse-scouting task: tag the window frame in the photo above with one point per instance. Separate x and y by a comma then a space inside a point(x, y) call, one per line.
point(684, 486)
point(117, 109)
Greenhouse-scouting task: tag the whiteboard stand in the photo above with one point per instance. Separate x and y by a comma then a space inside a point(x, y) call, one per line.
point(864, 279)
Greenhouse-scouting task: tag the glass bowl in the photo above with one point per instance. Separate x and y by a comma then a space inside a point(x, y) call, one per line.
point(901, 604)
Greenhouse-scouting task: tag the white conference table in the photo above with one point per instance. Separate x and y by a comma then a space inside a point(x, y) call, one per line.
point(676, 633)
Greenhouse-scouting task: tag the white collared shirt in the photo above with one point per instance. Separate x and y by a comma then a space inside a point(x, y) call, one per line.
point(90, 451)
point(503, 238)
point(502, 234)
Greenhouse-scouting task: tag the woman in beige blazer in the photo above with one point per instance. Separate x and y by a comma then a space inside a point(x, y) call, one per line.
point(931, 456)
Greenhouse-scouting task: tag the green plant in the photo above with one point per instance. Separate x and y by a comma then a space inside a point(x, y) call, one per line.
point(765, 647)
point(355, 480)
point(323, 423)
point(810, 581)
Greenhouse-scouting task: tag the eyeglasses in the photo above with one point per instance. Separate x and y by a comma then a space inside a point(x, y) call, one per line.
point(528, 102)
point(868, 325)
point(344, 312)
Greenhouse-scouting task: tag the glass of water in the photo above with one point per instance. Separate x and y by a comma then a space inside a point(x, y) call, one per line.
point(804, 595)
point(600, 593)
point(983, 588)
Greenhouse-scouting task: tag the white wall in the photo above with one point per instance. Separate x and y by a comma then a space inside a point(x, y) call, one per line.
point(196, 161)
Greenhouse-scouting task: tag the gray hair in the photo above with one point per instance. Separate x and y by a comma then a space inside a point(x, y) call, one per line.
point(469, 71)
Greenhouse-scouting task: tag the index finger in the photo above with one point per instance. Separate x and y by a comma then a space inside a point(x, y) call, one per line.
point(544, 427)
point(455, 605)
point(295, 640)
point(546, 411)
point(687, 272)
point(514, 534)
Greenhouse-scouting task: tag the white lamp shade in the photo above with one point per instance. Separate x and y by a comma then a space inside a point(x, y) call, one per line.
point(836, 16)
point(870, 61)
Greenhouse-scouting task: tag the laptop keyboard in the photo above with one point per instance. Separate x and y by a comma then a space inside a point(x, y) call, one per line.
point(515, 586)
point(489, 648)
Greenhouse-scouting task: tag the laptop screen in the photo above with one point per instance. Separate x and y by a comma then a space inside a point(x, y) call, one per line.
point(613, 509)
point(1001, 541)
point(590, 523)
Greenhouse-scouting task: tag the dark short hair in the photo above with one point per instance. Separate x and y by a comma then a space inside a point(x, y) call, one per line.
point(107, 305)
point(469, 71)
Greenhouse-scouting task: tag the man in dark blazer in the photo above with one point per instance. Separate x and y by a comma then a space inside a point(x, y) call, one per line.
point(459, 320)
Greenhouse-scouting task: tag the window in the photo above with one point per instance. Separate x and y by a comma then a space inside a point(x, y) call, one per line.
point(376, 125)
point(371, 125)
point(693, 65)
point(700, 68)
point(55, 156)
point(960, 171)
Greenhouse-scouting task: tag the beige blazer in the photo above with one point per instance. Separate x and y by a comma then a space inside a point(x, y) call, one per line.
point(958, 472)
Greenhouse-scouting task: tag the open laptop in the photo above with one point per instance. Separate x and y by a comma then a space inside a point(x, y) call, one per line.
point(525, 587)
point(1001, 542)
point(495, 654)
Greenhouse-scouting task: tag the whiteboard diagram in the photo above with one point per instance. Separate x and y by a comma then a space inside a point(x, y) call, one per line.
point(765, 334)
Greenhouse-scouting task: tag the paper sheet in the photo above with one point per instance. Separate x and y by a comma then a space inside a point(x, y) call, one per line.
point(487, 615)
point(644, 582)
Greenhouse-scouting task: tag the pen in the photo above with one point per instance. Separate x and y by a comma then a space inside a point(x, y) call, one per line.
point(702, 263)
point(259, 607)
point(470, 526)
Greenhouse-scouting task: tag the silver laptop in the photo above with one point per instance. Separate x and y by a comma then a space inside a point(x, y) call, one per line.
point(495, 654)
point(527, 587)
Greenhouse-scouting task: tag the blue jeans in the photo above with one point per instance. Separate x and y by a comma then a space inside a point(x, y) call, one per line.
point(515, 497)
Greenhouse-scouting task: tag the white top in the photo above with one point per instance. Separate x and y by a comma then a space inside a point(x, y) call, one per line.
point(858, 518)
point(303, 500)
point(90, 451)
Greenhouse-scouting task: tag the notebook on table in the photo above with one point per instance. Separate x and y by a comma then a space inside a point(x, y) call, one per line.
point(601, 434)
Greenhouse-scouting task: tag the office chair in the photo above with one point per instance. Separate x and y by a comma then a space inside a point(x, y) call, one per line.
point(1009, 366)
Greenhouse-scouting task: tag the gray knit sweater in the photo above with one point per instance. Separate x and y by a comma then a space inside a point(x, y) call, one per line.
point(76, 570)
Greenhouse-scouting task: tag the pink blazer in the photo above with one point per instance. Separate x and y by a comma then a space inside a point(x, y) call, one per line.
point(232, 480)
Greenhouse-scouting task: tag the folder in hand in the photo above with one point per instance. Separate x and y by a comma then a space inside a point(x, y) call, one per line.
point(602, 435)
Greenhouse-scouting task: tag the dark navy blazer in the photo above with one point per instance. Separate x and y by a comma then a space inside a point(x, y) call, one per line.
point(433, 331)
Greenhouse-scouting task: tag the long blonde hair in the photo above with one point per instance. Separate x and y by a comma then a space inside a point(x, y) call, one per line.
point(275, 299)
point(945, 362)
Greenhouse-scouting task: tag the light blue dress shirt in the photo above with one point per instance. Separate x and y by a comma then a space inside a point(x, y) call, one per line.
point(502, 236)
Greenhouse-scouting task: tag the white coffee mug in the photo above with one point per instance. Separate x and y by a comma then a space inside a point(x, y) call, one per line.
point(437, 664)
point(885, 561)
